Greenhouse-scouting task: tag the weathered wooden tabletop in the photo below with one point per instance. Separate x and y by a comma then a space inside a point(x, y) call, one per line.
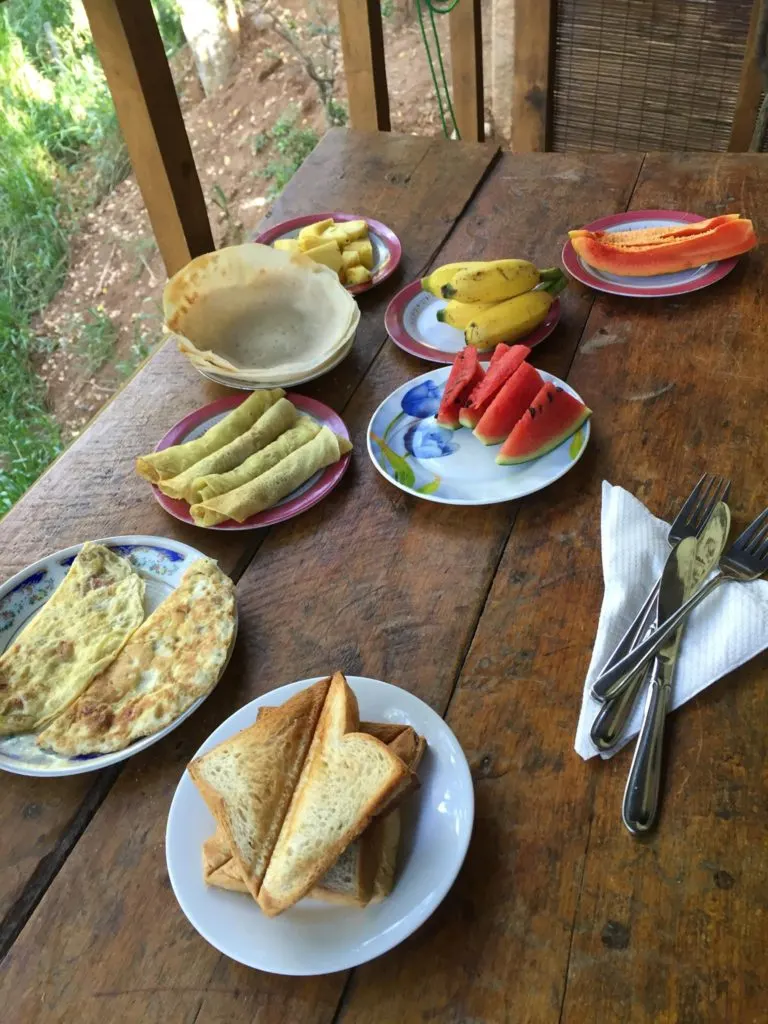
point(488, 614)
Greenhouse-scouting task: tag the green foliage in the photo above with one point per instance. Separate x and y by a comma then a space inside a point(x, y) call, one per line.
point(94, 338)
point(293, 145)
point(387, 8)
point(338, 114)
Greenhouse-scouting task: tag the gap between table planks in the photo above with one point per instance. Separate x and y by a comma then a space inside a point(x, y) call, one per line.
point(91, 491)
point(368, 575)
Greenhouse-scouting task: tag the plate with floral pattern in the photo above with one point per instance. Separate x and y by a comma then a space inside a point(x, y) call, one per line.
point(411, 450)
point(161, 563)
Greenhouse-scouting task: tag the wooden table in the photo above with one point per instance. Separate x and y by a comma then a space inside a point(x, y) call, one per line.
point(488, 614)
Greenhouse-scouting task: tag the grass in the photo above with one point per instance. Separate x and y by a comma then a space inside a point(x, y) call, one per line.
point(94, 339)
point(292, 143)
point(61, 152)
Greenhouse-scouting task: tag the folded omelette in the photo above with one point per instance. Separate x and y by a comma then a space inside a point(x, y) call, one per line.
point(76, 635)
point(173, 658)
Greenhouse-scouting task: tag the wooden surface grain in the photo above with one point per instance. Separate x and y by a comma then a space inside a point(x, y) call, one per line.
point(557, 915)
point(365, 69)
point(92, 491)
point(534, 30)
point(466, 37)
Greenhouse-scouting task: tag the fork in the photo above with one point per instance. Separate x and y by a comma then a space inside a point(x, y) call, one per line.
point(744, 561)
point(689, 522)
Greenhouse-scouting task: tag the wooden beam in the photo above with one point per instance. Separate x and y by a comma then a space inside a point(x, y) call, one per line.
point(532, 84)
point(362, 46)
point(467, 69)
point(750, 88)
point(128, 42)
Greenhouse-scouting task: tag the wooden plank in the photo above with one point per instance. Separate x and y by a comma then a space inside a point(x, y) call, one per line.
point(467, 69)
point(419, 186)
point(128, 42)
point(362, 47)
point(694, 894)
point(532, 95)
point(750, 86)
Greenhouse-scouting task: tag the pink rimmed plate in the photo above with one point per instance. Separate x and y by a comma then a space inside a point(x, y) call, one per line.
point(411, 322)
point(304, 497)
point(387, 249)
point(659, 286)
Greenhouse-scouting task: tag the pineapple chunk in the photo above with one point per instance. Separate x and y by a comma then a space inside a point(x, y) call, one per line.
point(364, 249)
point(328, 254)
point(350, 258)
point(358, 275)
point(309, 242)
point(313, 230)
point(287, 244)
point(347, 231)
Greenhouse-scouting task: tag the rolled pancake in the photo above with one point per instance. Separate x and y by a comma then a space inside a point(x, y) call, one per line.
point(172, 461)
point(172, 659)
point(219, 483)
point(50, 664)
point(267, 489)
point(258, 310)
point(275, 421)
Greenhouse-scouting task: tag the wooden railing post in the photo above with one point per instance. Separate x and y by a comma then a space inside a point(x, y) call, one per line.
point(467, 69)
point(128, 42)
point(532, 96)
point(362, 46)
point(750, 89)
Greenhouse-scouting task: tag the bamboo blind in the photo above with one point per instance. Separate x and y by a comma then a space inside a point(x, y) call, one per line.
point(647, 74)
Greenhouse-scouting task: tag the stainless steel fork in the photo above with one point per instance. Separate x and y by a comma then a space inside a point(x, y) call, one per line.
point(689, 522)
point(745, 560)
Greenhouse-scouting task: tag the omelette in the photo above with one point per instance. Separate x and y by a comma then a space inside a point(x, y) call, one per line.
point(76, 635)
point(172, 659)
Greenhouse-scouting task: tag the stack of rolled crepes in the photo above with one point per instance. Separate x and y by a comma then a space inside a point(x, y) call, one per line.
point(247, 462)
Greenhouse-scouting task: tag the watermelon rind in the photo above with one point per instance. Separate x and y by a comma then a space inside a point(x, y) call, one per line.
point(581, 414)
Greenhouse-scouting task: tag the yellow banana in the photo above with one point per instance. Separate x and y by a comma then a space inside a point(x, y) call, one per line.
point(459, 314)
point(508, 321)
point(492, 282)
point(435, 281)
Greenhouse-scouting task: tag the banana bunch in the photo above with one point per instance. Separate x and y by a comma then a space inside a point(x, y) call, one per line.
point(501, 300)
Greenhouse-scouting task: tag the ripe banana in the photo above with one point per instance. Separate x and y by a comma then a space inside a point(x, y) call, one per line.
point(435, 281)
point(513, 319)
point(459, 314)
point(492, 282)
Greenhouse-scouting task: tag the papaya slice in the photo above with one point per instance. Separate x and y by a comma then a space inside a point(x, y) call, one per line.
point(651, 236)
point(721, 242)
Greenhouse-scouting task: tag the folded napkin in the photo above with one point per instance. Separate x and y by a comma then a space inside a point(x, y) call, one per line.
point(728, 628)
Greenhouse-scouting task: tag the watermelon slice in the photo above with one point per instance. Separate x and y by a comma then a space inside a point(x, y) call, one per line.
point(509, 405)
point(499, 372)
point(465, 374)
point(552, 417)
point(499, 351)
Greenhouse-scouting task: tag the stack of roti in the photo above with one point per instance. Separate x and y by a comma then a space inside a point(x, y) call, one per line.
point(251, 314)
point(306, 801)
point(247, 462)
point(91, 675)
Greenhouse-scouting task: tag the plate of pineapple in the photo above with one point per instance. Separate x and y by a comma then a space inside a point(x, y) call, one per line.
point(362, 251)
point(478, 304)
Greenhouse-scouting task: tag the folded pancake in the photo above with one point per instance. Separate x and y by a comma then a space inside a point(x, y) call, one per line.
point(75, 636)
point(174, 658)
point(278, 482)
point(275, 421)
point(213, 484)
point(255, 312)
point(172, 461)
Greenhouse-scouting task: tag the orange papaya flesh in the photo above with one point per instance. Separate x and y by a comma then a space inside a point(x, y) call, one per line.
point(719, 243)
point(649, 236)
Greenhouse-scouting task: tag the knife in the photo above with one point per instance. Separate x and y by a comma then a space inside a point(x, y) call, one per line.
point(693, 561)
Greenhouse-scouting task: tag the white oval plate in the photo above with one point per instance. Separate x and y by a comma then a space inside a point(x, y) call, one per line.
point(161, 563)
point(452, 467)
point(314, 937)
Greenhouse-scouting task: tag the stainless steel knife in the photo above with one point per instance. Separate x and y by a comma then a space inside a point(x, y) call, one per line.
point(693, 561)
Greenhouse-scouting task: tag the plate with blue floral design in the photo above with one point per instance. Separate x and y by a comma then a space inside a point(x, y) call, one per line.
point(161, 563)
point(411, 450)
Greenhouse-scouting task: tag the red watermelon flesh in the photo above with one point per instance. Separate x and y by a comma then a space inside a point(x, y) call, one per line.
point(465, 374)
point(508, 406)
point(499, 351)
point(551, 418)
point(499, 372)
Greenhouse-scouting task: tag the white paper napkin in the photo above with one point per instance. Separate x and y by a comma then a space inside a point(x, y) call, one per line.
point(728, 628)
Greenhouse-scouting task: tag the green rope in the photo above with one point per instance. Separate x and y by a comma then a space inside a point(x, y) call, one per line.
point(438, 7)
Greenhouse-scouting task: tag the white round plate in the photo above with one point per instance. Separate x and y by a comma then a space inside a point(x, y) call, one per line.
point(319, 938)
point(654, 287)
point(161, 563)
point(411, 450)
